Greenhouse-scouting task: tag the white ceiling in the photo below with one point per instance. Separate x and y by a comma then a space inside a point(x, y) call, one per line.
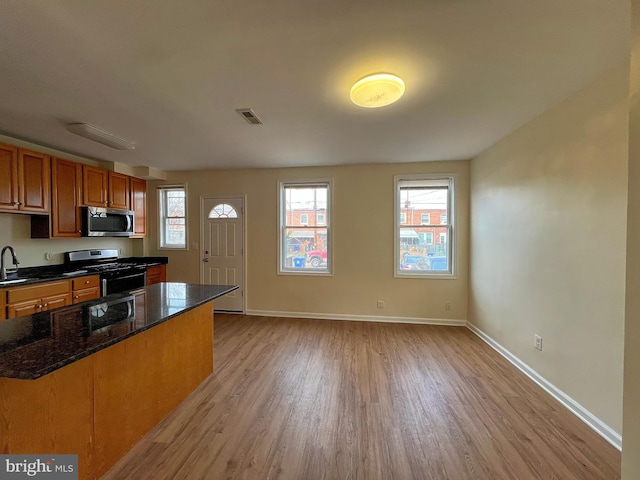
point(170, 74)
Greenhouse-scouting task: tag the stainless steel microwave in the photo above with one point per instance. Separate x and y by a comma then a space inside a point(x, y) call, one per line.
point(106, 222)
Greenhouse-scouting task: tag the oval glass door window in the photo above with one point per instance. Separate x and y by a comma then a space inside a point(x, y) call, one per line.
point(223, 210)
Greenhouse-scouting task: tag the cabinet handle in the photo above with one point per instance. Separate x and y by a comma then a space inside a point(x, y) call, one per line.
point(77, 296)
point(45, 304)
point(86, 282)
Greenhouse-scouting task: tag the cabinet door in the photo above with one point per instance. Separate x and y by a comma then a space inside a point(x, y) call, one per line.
point(29, 307)
point(34, 175)
point(55, 301)
point(8, 177)
point(139, 206)
point(65, 199)
point(94, 186)
point(119, 191)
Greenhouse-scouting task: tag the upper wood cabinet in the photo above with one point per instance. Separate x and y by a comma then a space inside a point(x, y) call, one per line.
point(139, 206)
point(119, 191)
point(66, 181)
point(102, 188)
point(95, 185)
point(8, 177)
point(34, 177)
point(24, 180)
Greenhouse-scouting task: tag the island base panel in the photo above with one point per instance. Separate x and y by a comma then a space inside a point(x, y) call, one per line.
point(100, 406)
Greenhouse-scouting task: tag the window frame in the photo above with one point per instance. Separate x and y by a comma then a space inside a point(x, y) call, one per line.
point(282, 185)
point(162, 205)
point(450, 225)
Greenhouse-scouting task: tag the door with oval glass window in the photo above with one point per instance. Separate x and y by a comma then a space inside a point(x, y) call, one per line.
point(222, 249)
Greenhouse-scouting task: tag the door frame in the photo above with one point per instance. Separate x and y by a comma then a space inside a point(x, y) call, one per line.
point(243, 287)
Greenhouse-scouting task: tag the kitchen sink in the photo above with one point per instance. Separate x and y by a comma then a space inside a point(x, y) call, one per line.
point(4, 283)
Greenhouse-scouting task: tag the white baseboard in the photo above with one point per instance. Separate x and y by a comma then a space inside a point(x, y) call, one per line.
point(578, 410)
point(358, 318)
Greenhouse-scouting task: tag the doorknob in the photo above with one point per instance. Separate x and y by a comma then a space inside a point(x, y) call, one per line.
point(205, 259)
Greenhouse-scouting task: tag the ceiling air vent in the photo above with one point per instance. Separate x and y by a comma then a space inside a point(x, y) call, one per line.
point(249, 116)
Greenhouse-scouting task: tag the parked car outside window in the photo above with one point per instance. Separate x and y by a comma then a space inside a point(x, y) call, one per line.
point(316, 257)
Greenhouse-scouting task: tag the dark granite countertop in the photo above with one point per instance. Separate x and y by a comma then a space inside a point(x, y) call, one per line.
point(34, 345)
point(51, 273)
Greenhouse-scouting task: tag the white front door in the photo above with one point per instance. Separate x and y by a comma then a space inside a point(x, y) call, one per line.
point(222, 249)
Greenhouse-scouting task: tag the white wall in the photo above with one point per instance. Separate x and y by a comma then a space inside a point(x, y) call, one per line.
point(548, 219)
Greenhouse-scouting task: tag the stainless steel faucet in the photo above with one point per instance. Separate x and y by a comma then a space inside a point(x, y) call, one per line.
point(3, 270)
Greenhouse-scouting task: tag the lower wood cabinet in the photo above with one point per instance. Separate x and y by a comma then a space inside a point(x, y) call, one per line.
point(156, 274)
point(85, 288)
point(37, 298)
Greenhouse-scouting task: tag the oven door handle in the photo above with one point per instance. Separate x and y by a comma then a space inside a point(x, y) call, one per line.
point(141, 274)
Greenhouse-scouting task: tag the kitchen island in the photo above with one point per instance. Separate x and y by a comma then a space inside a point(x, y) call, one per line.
point(93, 378)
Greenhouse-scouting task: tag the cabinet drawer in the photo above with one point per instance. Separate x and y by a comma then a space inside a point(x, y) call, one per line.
point(33, 292)
point(86, 294)
point(155, 270)
point(86, 282)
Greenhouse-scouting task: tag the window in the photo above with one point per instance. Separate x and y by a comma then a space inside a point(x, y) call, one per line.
point(223, 210)
point(172, 201)
point(305, 248)
point(424, 249)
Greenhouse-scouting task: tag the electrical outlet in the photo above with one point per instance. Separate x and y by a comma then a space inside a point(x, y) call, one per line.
point(380, 303)
point(121, 251)
point(538, 342)
point(447, 305)
point(48, 256)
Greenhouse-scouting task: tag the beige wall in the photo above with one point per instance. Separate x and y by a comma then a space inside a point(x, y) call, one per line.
point(631, 419)
point(548, 210)
point(362, 242)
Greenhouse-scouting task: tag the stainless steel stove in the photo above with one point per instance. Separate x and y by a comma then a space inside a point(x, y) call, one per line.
point(114, 276)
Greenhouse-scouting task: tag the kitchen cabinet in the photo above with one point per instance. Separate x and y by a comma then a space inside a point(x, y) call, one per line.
point(24, 180)
point(85, 288)
point(8, 177)
point(3, 305)
point(156, 274)
point(37, 298)
point(34, 177)
point(102, 188)
point(95, 186)
point(119, 191)
point(139, 206)
point(66, 184)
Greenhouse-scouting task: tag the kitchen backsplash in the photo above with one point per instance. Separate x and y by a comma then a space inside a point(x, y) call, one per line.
point(15, 230)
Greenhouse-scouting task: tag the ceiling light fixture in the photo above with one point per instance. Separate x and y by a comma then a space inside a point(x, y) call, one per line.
point(377, 90)
point(97, 135)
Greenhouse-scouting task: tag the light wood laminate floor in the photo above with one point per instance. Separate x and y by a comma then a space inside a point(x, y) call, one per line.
point(315, 399)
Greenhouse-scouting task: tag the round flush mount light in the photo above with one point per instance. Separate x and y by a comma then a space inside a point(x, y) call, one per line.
point(377, 90)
